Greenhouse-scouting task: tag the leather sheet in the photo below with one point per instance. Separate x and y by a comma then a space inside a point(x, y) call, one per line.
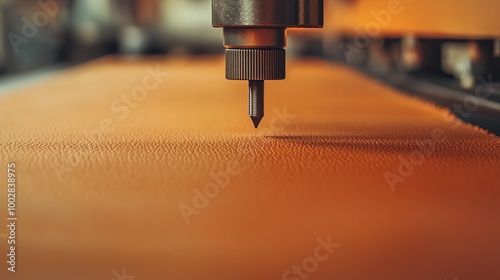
point(151, 168)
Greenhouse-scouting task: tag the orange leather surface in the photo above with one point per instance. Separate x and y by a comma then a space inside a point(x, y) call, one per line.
point(99, 191)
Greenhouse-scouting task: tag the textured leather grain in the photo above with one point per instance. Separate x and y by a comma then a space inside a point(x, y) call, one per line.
point(99, 187)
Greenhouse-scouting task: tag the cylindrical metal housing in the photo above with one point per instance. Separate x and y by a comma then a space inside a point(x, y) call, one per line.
point(267, 13)
point(262, 38)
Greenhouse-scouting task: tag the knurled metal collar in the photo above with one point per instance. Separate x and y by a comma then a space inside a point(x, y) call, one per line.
point(255, 64)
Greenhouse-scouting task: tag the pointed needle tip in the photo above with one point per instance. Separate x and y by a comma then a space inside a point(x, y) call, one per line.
point(256, 121)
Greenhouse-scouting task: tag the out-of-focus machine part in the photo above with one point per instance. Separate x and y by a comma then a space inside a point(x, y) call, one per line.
point(451, 58)
point(186, 27)
point(3, 45)
point(94, 28)
point(40, 35)
point(32, 34)
point(255, 40)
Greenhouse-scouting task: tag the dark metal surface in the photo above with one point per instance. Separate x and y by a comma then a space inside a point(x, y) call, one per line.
point(267, 13)
point(255, 38)
point(256, 101)
point(255, 64)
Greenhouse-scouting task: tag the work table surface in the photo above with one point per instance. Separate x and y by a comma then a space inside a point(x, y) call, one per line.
point(110, 154)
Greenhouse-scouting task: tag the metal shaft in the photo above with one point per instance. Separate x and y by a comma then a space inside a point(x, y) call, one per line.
point(255, 40)
point(256, 101)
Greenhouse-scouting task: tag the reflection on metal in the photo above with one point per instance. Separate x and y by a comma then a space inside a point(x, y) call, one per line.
point(255, 38)
point(267, 13)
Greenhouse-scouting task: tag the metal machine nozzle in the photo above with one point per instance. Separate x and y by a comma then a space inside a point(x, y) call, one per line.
point(256, 101)
point(255, 40)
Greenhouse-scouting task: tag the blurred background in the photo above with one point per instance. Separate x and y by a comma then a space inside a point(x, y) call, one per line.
point(454, 44)
point(456, 38)
point(42, 33)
